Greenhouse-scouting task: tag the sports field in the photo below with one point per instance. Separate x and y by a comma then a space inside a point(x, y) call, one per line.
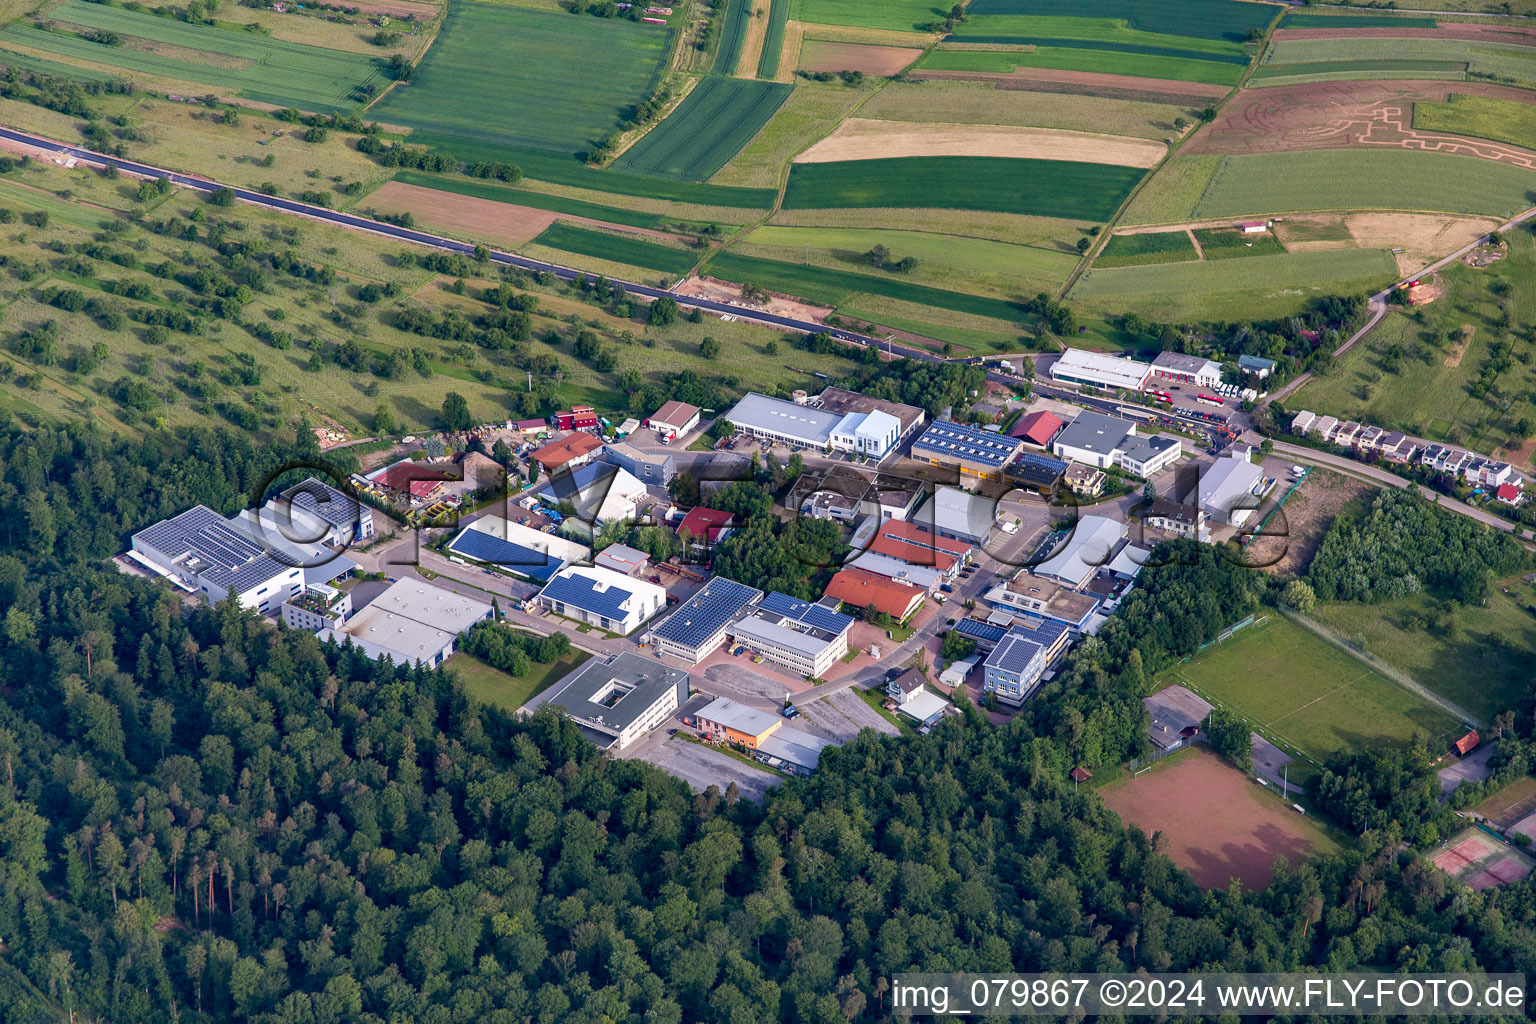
point(617, 248)
point(706, 130)
point(1044, 187)
point(898, 15)
point(512, 76)
point(1306, 694)
point(1482, 117)
point(1481, 861)
point(1352, 179)
point(1219, 823)
point(256, 67)
point(1145, 249)
point(1082, 58)
point(1510, 804)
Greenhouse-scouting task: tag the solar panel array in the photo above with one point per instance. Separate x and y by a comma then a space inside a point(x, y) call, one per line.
point(1013, 654)
point(815, 615)
point(581, 591)
point(333, 506)
point(483, 547)
point(962, 442)
point(228, 559)
point(707, 612)
point(981, 632)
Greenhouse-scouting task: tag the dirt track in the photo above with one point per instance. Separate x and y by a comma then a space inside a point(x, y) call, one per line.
point(861, 138)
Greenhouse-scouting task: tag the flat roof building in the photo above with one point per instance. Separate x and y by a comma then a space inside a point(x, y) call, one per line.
point(1103, 442)
point(873, 433)
point(1046, 598)
point(977, 454)
point(512, 547)
point(700, 624)
point(200, 552)
point(622, 558)
point(411, 621)
point(1037, 471)
point(959, 514)
point(1101, 371)
point(764, 735)
point(842, 401)
point(808, 639)
point(603, 598)
point(654, 468)
point(1090, 546)
point(617, 701)
point(1231, 488)
point(1196, 370)
point(924, 577)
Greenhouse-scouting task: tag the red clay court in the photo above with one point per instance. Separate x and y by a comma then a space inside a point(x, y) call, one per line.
point(1220, 824)
point(1481, 861)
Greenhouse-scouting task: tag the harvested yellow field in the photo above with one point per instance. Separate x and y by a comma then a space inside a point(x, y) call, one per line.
point(1422, 237)
point(864, 139)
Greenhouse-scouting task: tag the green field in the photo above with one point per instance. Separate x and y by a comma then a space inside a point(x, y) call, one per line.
point(1112, 34)
point(1229, 243)
point(1354, 179)
point(1403, 375)
point(831, 287)
point(1293, 20)
point(1308, 695)
point(1145, 249)
point(1482, 664)
point(617, 248)
point(706, 130)
point(1257, 287)
point(503, 690)
point(1481, 117)
point(254, 66)
point(1228, 20)
point(970, 339)
point(733, 34)
point(1499, 61)
point(899, 15)
point(525, 197)
point(1270, 75)
point(935, 100)
point(773, 40)
point(515, 77)
point(803, 119)
point(1051, 188)
point(1072, 58)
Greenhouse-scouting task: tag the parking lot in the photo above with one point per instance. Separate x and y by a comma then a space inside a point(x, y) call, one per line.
point(840, 716)
point(701, 766)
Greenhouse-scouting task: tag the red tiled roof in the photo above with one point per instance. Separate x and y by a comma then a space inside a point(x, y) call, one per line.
point(1509, 492)
point(914, 546)
point(412, 477)
point(1038, 427)
point(705, 523)
point(861, 589)
point(1467, 743)
point(558, 453)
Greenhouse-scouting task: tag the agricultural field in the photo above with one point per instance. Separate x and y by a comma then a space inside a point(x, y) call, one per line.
point(1414, 372)
point(1257, 287)
point(773, 40)
point(1076, 58)
point(1329, 701)
point(1302, 59)
point(733, 34)
point(529, 198)
point(235, 63)
point(1147, 248)
point(809, 113)
point(706, 130)
point(954, 262)
point(1333, 179)
point(1477, 658)
point(1482, 117)
point(517, 77)
point(615, 248)
point(1042, 187)
point(983, 103)
point(825, 55)
point(1230, 243)
point(1338, 21)
point(1226, 20)
point(858, 137)
point(897, 15)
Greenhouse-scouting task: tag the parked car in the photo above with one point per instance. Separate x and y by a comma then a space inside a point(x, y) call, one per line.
point(790, 711)
point(947, 588)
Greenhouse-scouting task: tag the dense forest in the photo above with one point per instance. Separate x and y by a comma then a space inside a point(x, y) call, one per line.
point(205, 818)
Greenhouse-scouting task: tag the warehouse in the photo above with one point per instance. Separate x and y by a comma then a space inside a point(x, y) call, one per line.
point(675, 419)
point(411, 622)
point(615, 702)
point(200, 552)
point(873, 434)
point(603, 598)
point(511, 547)
point(1092, 544)
point(977, 454)
point(764, 736)
point(1101, 371)
point(599, 494)
point(701, 623)
point(1196, 370)
point(960, 514)
point(843, 402)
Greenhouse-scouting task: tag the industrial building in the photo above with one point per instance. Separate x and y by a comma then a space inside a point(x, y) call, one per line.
point(1104, 442)
point(874, 434)
point(923, 577)
point(1091, 545)
point(675, 418)
point(859, 589)
point(843, 402)
point(808, 639)
point(654, 468)
point(603, 598)
point(700, 624)
point(977, 454)
point(600, 494)
point(763, 735)
point(912, 545)
point(200, 552)
point(1095, 369)
point(959, 514)
point(616, 701)
point(411, 621)
point(1045, 598)
point(845, 493)
point(349, 520)
point(622, 558)
point(1196, 370)
point(318, 607)
point(1035, 471)
point(1039, 428)
point(512, 547)
point(1231, 488)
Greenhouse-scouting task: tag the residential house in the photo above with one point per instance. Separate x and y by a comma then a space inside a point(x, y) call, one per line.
point(1085, 481)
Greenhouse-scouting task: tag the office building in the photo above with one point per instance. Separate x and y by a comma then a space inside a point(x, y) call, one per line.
point(616, 701)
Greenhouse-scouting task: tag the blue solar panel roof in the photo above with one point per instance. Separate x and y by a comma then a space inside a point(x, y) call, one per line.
point(978, 630)
point(333, 506)
point(817, 615)
point(1042, 462)
point(1013, 653)
point(581, 592)
point(956, 440)
point(707, 612)
point(228, 559)
point(483, 547)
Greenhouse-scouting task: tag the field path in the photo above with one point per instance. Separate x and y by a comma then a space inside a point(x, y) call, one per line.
point(1195, 242)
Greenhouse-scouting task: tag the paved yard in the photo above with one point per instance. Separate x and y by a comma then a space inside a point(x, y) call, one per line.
point(702, 767)
point(739, 679)
point(842, 714)
point(1472, 768)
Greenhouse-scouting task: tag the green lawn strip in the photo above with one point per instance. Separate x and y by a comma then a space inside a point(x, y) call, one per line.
point(524, 197)
point(706, 130)
point(831, 287)
point(1066, 58)
point(968, 339)
point(565, 169)
point(501, 689)
point(1051, 188)
point(773, 41)
point(1172, 282)
point(1231, 243)
point(1151, 247)
point(1497, 61)
point(733, 35)
point(897, 15)
point(616, 248)
point(1355, 179)
point(1108, 46)
point(1293, 20)
point(514, 76)
point(959, 251)
point(1110, 33)
point(1480, 116)
point(1207, 19)
point(1407, 68)
point(876, 699)
point(54, 68)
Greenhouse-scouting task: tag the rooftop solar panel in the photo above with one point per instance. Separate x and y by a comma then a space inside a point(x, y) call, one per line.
point(483, 547)
point(706, 612)
point(819, 616)
point(334, 506)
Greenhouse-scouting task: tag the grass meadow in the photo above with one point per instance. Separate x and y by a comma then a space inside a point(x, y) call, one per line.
point(516, 77)
point(1145, 249)
point(1077, 58)
point(1043, 187)
point(1499, 61)
point(1407, 374)
point(1229, 20)
point(935, 100)
point(502, 689)
point(1112, 33)
point(1231, 243)
point(960, 252)
point(616, 248)
point(1482, 117)
point(1306, 694)
point(706, 130)
point(896, 15)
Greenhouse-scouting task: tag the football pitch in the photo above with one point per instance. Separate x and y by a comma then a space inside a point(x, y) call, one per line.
point(1306, 694)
